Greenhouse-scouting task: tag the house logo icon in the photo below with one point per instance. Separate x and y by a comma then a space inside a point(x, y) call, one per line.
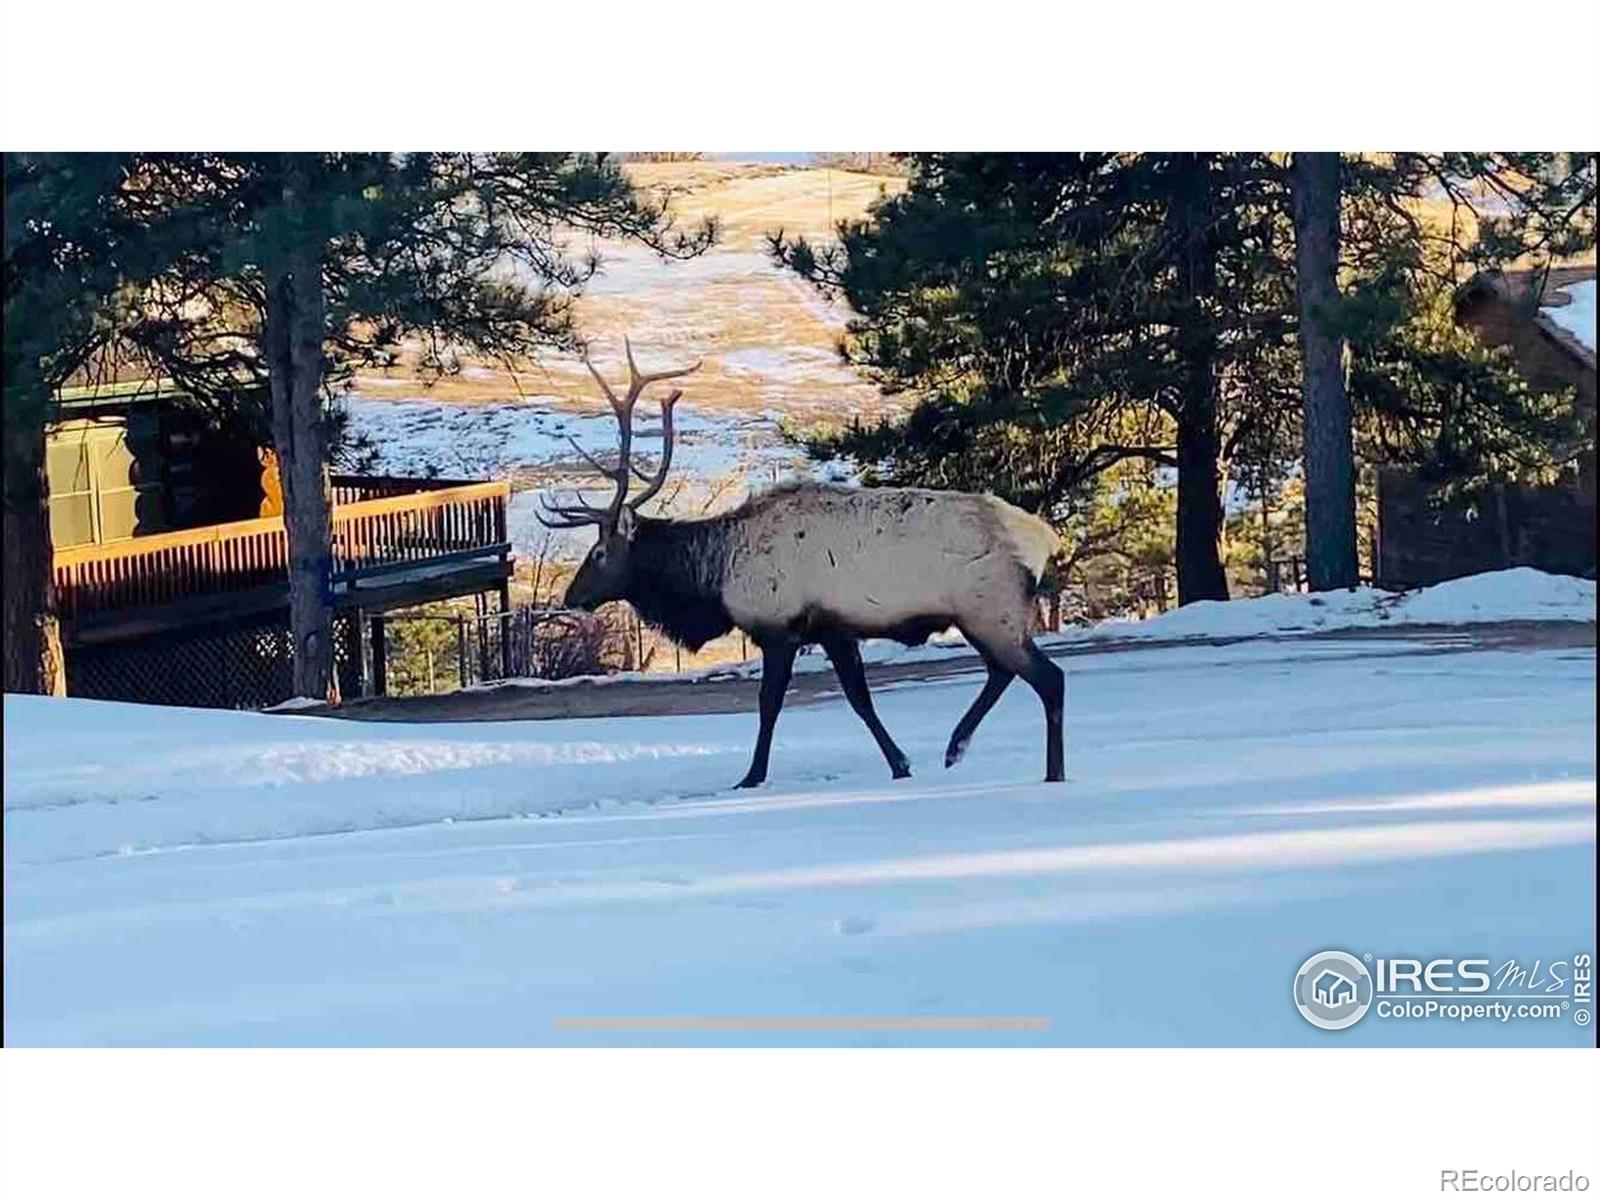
point(1332, 989)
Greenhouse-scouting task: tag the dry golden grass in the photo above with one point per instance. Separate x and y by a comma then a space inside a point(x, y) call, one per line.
point(753, 200)
point(768, 340)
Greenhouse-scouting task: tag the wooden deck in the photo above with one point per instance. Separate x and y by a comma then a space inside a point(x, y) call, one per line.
point(415, 540)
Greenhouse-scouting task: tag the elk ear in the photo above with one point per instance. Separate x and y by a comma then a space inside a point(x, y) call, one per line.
point(625, 525)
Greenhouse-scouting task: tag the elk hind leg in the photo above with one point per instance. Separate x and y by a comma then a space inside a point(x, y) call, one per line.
point(1020, 656)
point(1050, 682)
point(999, 679)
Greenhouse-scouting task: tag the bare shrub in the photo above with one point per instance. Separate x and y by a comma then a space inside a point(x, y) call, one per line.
point(587, 644)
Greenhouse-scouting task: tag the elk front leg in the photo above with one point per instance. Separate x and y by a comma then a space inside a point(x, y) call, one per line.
point(845, 654)
point(777, 664)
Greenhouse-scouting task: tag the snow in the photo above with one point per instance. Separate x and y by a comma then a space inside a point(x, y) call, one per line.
point(1577, 318)
point(295, 704)
point(417, 435)
point(203, 877)
point(788, 364)
point(528, 441)
point(634, 271)
point(1517, 594)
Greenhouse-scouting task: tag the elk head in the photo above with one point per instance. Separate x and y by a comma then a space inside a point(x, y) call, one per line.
point(605, 574)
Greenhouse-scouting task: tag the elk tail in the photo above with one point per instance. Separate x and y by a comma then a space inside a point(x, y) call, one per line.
point(1032, 539)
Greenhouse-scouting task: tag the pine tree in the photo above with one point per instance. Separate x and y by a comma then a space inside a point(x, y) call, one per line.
point(55, 290)
point(297, 268)
point(1330, 469)
point(1055, 315)
point(1059, 314)
point(344, 255)
point(83, 237)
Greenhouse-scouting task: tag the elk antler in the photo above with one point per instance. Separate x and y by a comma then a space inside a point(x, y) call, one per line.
point(653, 483)
point(573, 515)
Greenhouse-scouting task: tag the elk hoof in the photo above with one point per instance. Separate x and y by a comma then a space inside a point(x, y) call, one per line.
point(954, 754)
point(901, 770)
point(749, 781)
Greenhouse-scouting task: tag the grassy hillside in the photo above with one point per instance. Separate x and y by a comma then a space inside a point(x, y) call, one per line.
point(767, 339)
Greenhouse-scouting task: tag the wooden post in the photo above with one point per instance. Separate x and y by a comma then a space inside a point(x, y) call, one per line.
point(505, 629)
point(481, 605)
point(461, 648)
point(358, 636)
point(380, 656)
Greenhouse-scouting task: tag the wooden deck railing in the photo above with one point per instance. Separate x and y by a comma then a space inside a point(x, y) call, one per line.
point(353, 489)
point(412, 530)
point(370, 537)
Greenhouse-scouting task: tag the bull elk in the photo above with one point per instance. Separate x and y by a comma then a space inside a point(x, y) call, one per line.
point(811, 563)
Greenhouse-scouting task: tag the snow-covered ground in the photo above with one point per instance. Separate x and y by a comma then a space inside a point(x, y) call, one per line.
point(177, 876)
point(1578, 317)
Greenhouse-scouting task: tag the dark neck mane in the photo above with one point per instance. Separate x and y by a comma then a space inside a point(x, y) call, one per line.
point(677, 578)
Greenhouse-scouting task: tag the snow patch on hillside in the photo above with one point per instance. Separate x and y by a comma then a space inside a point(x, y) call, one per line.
point(422, 436)
point(1578, 317)
point(528, 442)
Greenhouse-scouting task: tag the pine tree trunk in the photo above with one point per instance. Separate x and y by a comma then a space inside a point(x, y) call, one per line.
point(293, 337)
point(33, 655)
point(1331, 559)
point(1199, 540)
point(1199, 557)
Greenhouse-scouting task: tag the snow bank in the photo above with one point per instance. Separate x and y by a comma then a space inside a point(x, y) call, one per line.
point(1518, 594)
point(295, 704)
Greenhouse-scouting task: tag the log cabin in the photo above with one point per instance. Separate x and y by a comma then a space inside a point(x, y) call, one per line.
point(171, 556)
point(1420, 541)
